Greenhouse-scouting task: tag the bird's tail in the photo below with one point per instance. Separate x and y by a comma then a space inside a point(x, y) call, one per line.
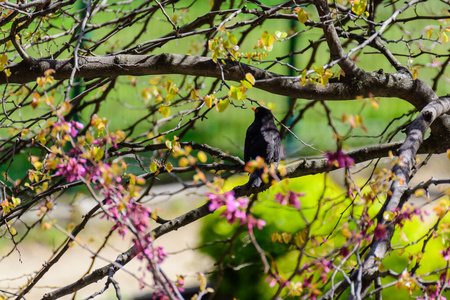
point(255, 179)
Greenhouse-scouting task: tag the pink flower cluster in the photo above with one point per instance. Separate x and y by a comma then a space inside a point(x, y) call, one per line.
point(407, 214)
point(70, 127)
point(445, 253)
point(72, 169)
point(290, 198)
point(339, 159)
point(379, 232)
point(433, 292)
point(119, 205)
point(235, 209)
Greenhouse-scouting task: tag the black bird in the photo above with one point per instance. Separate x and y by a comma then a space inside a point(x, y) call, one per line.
point(262, 139)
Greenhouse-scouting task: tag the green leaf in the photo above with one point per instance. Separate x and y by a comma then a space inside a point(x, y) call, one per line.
point(13, 231)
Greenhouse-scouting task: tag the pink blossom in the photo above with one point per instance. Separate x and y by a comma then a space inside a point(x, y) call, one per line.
point(72, 169)
point(327, 265)
point(290, 198)
point(339, 159)
point(407, 214)
point(252, 222)
point(218, 200)
point(235, 209)
point(432, 292)
point(272, 281)
point(138, 215)
point(445, 253)
point(379, 232)
point(160, 254)
point(73, 127)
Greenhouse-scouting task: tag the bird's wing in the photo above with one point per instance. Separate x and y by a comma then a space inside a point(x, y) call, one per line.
point(272, 137)
point(277, 150)
point(248, 144)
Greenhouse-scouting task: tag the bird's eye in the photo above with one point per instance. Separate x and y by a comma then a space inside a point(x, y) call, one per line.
point(256, 110)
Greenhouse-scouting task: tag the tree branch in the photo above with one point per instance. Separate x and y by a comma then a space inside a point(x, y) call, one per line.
point(407, 153)
point(306, 167)
point(379, 84)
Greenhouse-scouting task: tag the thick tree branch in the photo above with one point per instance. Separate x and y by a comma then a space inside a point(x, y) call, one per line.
point(337, 52)
point(379, 84)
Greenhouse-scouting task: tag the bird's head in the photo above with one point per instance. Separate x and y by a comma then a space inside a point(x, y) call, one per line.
point(261, 112)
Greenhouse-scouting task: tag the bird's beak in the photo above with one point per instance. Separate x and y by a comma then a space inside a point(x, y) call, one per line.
point(253, 108)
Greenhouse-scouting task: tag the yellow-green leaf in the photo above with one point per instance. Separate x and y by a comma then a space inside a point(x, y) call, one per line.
point(4, 59)
point(164, 110)
point(415, 73)
point(13, 231)
point(302, 16)
point(249, 77)
point(15, 201)
point(98, 153)
point(419, 193)
point(202, 156)
point(183, 162)
point(232, 39)
point(429, 32)
point(222, 105)
point(359, 6)
point(208, 100)
point(146, 93)
point(169, 97)
point(267, 39)
point(280, 35)
point(236, 93)
point(169, 167)
point(246, 84)
point(37, 165)
point(153, 167)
